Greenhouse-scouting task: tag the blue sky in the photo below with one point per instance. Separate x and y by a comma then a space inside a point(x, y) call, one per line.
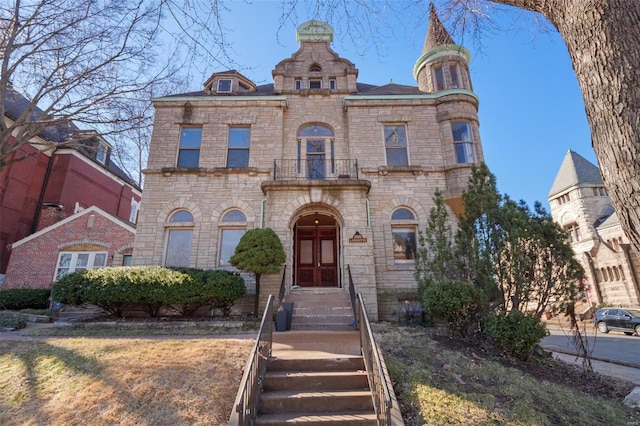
point(531, 109)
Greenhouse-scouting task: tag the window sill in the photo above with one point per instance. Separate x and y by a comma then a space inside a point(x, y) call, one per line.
point(414, 170)
point(202, 171)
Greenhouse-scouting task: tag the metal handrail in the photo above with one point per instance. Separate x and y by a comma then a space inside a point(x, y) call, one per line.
point(373, 363)
point(248, 397)
point(281, 293)
point(352, 296)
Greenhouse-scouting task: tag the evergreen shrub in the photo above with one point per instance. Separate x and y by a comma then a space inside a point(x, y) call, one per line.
point(459, 303)
point(25, 298)
point(515, 333)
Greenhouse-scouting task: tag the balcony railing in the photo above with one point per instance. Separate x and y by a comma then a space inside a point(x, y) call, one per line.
point(315, 169)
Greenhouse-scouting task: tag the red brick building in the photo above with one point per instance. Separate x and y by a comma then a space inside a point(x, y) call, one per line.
point(50, 185)
point(88, 239)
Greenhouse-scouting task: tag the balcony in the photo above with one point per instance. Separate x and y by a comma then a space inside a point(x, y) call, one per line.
point(315, 169)
point(315, 172)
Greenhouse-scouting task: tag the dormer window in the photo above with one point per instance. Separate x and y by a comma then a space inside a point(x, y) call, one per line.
point(224, 85)
point(332, 84)
point(298, 84)
point(315, 84)
point(101, 153)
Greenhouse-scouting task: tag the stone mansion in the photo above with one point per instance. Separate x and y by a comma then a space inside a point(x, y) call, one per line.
point(344, 172)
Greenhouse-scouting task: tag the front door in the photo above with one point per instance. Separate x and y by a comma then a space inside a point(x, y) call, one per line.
point(316, 255)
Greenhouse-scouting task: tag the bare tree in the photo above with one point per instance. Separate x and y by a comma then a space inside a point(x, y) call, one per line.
point(603, 41)
point(91, 63)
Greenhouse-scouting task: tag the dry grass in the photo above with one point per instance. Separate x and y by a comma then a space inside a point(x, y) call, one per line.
point(455, 384)
point(80, 381)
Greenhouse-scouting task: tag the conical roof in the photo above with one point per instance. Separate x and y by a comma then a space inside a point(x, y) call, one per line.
point(575, 170)
point(437, 35)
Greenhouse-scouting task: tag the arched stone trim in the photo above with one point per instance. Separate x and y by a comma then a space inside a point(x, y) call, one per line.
point(323, 120)
point(122, 249)
point(180, 203)
point(402, 201)
point(84, 241)
point(568, 217)
point(325, 200)
point(234, 203)
point(312, 208)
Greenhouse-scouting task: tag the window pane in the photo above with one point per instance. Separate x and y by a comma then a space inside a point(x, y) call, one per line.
point(224, 85)
point(464, 153)
point(439, 75)
point(82, 261)
point(65, 260)
point(239, 137)
point(181, 216)
point(234, 216)
point(127, 260)
point(238, 158)
point(190, 137)
point(61, 273)
point(402, 214)
point(404, 245)
point(100, 260)
point(229, 240)
point(395, 136)
point(453, 70)
point(397, 157)
point(189, 158)
point(306, 252)
point(315, 131)
point(178, 247)
point(326, 252)
point(460, 131)
point(315, 145)
point(315, 84)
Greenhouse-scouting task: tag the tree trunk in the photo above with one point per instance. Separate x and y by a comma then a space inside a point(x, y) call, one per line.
point(603, 40)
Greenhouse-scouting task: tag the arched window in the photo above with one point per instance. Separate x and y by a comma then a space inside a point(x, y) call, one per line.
point(403, 233)
point(232, 227)
point(402, 214)
point(316, 152)
point(179, 235)
point(315, 68)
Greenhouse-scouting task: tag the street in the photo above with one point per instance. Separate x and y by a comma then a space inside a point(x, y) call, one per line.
point(614, 346)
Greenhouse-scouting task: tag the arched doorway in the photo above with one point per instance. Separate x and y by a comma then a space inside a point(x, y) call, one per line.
point(316, 251)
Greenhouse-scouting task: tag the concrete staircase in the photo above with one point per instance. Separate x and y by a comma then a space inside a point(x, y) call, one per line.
point(316, 391)
point(320, 309)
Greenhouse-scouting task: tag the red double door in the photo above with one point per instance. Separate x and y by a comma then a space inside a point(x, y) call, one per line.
point(316, 257)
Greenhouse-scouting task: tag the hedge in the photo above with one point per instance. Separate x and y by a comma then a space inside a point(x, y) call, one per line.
point(25, 298)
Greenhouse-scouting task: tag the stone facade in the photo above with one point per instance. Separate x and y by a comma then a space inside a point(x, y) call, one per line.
point(580, 205)
point(343, 172)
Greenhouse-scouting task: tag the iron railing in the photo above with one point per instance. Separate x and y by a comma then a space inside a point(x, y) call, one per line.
point(352, 296)
point(248, 397)
point(281, 293)
point(315, 169)
point(373, 362)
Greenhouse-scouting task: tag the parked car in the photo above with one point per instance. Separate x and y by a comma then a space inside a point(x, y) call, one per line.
point(626, 320)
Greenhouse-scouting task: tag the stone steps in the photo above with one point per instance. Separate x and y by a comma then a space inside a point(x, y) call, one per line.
point(316, 391)
point(318, 309)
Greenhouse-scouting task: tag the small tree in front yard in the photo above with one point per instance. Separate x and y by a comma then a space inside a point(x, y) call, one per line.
point(258, 252)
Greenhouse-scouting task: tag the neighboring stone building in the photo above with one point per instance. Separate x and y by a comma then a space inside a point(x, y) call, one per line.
point(53, 181)
point(344, 172)
point(579, 203)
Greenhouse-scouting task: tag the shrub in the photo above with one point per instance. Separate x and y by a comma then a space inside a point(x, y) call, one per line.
point(215, 288)
point(25, 298)
point(515, 333)
point(151, 288)
point(227, 288)
point(15, 323)
point(119, 288)
point(458, 303)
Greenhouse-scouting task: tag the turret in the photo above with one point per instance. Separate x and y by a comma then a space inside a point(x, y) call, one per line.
point(443, 65)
